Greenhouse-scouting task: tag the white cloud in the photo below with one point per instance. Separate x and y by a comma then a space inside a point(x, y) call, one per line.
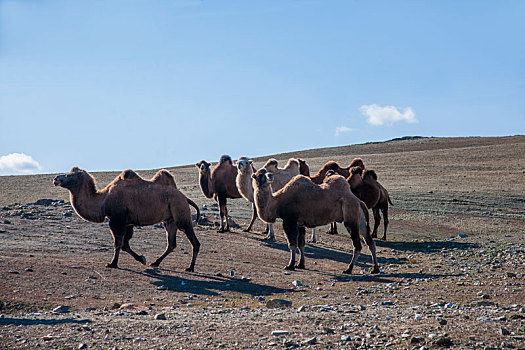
point(379, 115)
point(342, 129)
point(19, 162)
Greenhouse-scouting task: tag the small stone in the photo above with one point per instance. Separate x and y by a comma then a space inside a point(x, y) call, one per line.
point(504, 331)
point(301, 308)
point(444, 341)
point(441, 321)
point(162, 287)
point(29, 270)
point(13, 272)
point(297, 283)
point(280, 332)
point(89, 308)
point(511, 274)
point(160, 316)
point(278, 303)
point(62, 309)
point(387, 302)
point(310, 341)
point(346, 338)
point(82, 346)
point(288, 343)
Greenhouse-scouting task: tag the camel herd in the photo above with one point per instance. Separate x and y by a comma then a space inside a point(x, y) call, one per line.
point(333, 194)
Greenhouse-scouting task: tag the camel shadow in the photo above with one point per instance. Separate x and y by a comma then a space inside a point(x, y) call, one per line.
point(33, 322)
point(317, 251)
point(425, 247)
point(388, 277)
point(214, 285)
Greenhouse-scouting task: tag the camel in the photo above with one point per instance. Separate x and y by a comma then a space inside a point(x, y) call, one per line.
point(220, 185)
point(319, 177)
point(129, 201)
point(243, 181)
point(301, 203)
point(365, 186)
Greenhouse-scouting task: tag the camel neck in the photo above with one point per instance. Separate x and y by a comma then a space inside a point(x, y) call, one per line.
point(206, 185)
point(88, 203)
point(245, 186)
point(265, 203)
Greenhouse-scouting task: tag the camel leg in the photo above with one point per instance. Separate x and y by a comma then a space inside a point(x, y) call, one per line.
point(301, 243)
point(271, 235)
point(223, 212)
point(385, 221)
point(195, 244)
point(292, 233)
point(314, 235)
point(171, 237)
point(254, 216)
point(119, 231)
point(372, 246)
point(333, 228)
point(127, 248)
point(353, 229)
point(377, 221)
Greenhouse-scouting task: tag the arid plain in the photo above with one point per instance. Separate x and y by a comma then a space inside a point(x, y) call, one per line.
point(452, 269)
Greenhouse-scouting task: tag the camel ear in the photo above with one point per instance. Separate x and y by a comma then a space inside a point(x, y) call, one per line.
point(250, 161)
point(254, 177)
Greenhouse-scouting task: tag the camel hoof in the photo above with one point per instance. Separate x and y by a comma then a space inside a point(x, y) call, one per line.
point(375, 270)
point(384, 238)
point(245, 230)
point(112, 266)
point(301, 266)
point(269, 238)
point(348, 271)
point(189, 269)
point(289, 268)
point(143, 260)
point(155, 264)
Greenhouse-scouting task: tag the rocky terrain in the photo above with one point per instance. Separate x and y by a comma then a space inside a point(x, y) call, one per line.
point(452, 269)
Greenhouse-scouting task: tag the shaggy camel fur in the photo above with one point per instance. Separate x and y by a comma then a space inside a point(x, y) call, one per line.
point(301, 203)
point(243, 181)
point(220, 185)
point(319, 177)
point(129, 201)
point(281, 176)
point(366, 187)
point(304, 169)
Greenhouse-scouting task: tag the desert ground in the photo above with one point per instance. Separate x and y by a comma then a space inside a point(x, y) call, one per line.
point(452, 268)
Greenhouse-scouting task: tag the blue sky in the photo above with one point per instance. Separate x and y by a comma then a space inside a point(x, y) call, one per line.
point(109, 85)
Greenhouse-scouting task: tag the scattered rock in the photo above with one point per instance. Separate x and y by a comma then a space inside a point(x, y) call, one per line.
point(82, 346)
point(160, 316)
point(62, 309)
point(444, 341)
point(278, 303)
point(310, 341)
point(504, 331)
point(162, 287)
point(346, 338)
point(482, 303)
point(297, 283)
point(280, 332)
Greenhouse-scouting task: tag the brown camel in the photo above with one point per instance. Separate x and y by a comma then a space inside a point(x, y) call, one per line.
point(366, 187)
point(301, 203)
point(128, 201)
point(304, 169)
point(220, 185)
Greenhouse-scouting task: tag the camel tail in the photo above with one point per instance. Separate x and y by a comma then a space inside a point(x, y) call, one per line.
point(389, 201)
point(192, 203)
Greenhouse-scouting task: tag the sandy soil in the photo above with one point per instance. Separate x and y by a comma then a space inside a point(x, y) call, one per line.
point(452, 269)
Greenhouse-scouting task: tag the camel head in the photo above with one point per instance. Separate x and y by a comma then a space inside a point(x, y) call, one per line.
point(357, 162)
point(304, 169)
point(263, 178)
point(244, 165)
point(204, 167)
point(356, 171)
point(71, 180)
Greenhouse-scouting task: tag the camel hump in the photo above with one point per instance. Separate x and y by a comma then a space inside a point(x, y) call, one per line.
point(370, 174)
point(356, 170)
point(225, 158)
point(271, 164)
point(128, 174)
point(164, 177)
point(357, 162)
